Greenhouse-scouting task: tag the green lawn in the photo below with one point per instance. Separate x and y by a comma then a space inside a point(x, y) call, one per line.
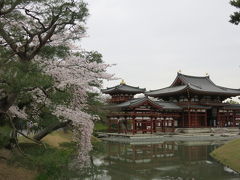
point(99, 126)
point(58, 137)
point(229, 154)
point(41, 163)
point(54, 139)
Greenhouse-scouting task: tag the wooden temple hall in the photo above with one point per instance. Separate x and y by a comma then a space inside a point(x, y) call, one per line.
point(189, 102)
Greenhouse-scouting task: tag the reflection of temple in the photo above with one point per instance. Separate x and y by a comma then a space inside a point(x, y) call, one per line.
point(166, 159)
point(155, 153)
point(189, 102)
point(143, 153)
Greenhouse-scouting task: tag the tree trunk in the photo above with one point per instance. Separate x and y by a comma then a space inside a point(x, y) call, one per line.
point(50, 129)
point(7, 102)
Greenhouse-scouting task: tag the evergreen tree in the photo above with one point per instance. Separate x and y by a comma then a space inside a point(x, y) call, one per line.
point(235, 17)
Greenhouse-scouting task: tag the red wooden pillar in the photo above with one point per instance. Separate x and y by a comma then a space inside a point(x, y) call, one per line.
point(189, 117)
point(234, 118)
point(220, 120)
point(183, 124)
point(227, 119)
point(126, 130)
point(155, 123)
point(163, 124)
point(151, 125)
point(205, 118)
point(195, 118)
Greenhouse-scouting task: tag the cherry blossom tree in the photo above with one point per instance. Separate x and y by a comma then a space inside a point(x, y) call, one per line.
point(30, 28)
point(78, 74)
point(42, 70)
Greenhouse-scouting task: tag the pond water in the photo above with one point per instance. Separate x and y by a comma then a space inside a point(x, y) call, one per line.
point(158, 161)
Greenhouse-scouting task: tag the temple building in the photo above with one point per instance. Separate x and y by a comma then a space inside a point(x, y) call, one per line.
point(189, 102)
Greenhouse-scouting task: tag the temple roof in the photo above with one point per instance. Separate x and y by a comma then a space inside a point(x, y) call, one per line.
point(123, 88)
point(138, 101)
point(194, 83)
point(168, 90)
point(168, 105)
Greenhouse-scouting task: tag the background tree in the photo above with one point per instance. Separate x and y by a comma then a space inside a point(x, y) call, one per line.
point(235, 17)
point(230, 101)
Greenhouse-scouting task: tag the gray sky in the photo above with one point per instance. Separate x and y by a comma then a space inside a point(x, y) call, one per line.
point(151, 40)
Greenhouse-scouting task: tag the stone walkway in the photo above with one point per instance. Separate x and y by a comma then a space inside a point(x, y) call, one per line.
point(115, 137)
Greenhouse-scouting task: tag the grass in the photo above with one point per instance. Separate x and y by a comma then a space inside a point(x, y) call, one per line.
point(99, 126)
point(41, 163)
point(229, 154)
point(4, 135)
point(50, 163)
point(56, 138)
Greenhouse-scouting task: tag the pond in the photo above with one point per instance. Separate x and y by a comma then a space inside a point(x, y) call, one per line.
point(158, 161)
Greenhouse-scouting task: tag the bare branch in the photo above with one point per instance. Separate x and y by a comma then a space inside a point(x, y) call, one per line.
point(42, 42)
point(34, 17)
point(7, 38)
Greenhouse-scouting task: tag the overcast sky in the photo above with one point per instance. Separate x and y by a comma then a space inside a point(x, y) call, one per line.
point(150, 40)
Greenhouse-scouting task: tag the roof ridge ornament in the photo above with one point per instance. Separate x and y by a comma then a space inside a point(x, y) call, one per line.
point(123, 82)
point(179, 71)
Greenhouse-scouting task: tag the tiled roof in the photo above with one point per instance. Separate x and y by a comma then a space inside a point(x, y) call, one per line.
point(124, 89)
point(167, 90)
point(195, 83)
point(205, 84)
point(169, 105)
point(138, 101)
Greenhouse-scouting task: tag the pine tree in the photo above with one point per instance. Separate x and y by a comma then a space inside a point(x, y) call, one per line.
point(235, 17)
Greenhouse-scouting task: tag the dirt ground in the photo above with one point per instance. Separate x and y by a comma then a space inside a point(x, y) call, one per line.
point(8, 172)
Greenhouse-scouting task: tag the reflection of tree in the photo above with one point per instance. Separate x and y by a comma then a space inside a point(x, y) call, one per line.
point(92, 172)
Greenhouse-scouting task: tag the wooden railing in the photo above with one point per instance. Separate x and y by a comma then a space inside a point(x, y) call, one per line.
point(144, 114)
point(119, 99)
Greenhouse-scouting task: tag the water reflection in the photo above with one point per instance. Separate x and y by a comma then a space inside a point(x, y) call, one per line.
point(167, 160)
